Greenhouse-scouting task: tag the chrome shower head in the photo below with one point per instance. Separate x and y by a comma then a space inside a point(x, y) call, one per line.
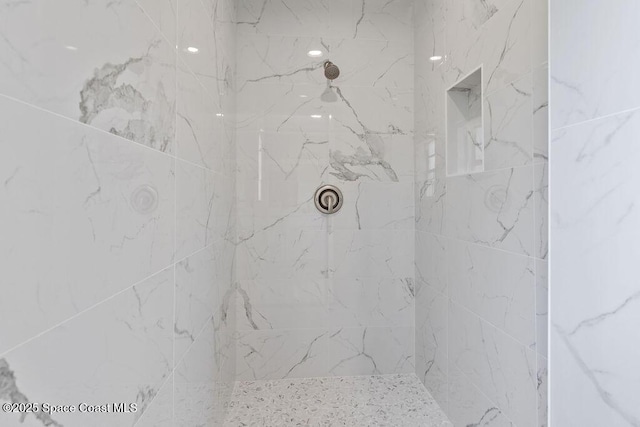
point(331, 70)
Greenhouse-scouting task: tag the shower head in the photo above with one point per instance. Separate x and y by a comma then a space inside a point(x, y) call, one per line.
point(331, 70)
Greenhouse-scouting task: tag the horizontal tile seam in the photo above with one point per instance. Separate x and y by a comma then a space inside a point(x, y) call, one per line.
point(86, 310)
point(445, 236)
point(479, 390)
point(499, 330)
point(589, 121)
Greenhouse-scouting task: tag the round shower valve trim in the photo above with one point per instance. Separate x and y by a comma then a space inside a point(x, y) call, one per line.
point(328, 199)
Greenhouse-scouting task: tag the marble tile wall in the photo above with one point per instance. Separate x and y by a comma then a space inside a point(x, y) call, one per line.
point(323, 296)
point(595, 226)
point(117, 217)
point(481, 239)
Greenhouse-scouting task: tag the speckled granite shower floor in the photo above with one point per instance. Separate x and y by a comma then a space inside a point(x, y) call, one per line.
point(388, 400)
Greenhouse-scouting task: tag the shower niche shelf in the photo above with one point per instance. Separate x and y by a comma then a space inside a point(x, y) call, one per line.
point(464, 130)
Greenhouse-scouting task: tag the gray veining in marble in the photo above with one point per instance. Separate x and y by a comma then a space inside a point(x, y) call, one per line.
point(9, 392)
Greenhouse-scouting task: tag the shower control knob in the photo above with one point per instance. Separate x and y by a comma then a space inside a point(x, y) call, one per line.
point(328, 199)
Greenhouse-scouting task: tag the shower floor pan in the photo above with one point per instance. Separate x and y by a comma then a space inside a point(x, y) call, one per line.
point(386, 400)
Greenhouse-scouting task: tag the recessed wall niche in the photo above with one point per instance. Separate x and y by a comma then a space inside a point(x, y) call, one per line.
point(465, 133)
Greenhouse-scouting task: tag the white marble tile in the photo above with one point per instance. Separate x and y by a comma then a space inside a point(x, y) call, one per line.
point(371, 253)
point(371, 351)
point(372, 111)
point(203, 205)
point(430, 79)
point(279, 209)
point(474, 15)
point(103, 64)
point(502, 45)
point(283, 107)
point(285, 59)
point(125, 356)
point(386, 157)
point(296, 18)
point(585, 389)
point(388, 400)
point(290, 142)
point(543, 391)
point(283, 253)
point(202, 44)
point(275, 303)
point(164, 14)
point(225, 330)
point(431, 265)
point(498, 286)
point(85, 215)
point(372, 19)
point(364, 302)
point(541, 205)
point(159, 413)
point(196, 296)
point(430, 189)
point(493, 208)
point(541, 114)
point(223, 11)
point(429, 119)
point(508, 126)
point(282, 156)
point(374, 206)
point(263, 202)
point(542, 307)
point(540, 32)
point(469, 406)
point(281, 354)
point(200, 123)
point(595, 231)
point(365, 111)
point(200, 397)
point(431, 342)
point(503, 369)
point(593, 59)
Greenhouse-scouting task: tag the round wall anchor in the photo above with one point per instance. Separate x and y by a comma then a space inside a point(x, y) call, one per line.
point(328, 199)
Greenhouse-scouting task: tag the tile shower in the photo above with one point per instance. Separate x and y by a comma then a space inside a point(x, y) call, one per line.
point(324, 295)
point(481, 238)
point(162, 247)
point(118, 209)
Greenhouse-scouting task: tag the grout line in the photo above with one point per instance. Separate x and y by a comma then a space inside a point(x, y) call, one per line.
point(481, 392)
point(498, 328)
point(585, 122)
point(162, 386)
point(112, 135)
point(175, 231)
point(85, 125)
point(467, 175)
point(157, 26)
point(195, 340)
point(480, 245)
point(91, 307)
point(172, 372)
